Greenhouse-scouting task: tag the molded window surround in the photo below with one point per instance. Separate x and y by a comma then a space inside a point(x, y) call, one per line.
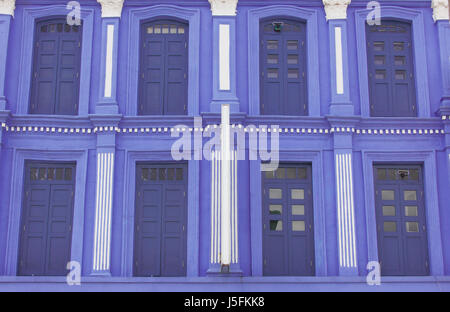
point(255, 16)
point(428, 159)
point(136, 17)
point(419, 51)
point(30, 16)
point(15, 201)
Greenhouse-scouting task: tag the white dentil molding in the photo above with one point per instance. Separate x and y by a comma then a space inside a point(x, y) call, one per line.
point(223, 7)
point(7, 7)
point(336, 9)
point(440, 10)
point(111, 8)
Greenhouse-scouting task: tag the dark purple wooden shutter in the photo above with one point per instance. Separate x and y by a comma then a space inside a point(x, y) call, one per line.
point(401, 225)
point(164, 68)
point(288, 231)
point(56, 68)
point(283, 68)
point(47, 213)
point(391, 70)
point(160, 220)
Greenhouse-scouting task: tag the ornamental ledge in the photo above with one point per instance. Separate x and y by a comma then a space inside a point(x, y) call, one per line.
point(440, 10)
point(336, 9)
point(111, 8)
point(7, 7)
point(223, 7)
point(251, 129)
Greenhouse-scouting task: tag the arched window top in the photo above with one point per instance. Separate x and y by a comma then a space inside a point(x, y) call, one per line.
point(56, 24)
point(276, 25)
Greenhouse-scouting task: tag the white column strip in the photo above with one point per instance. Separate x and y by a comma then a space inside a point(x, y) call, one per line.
point(225, 187)
point(224, 57)
point(213, 207)
point(109, 60)
point(339, 61)
point(235, 209)
point(102, 239)
point(352, 211)
point(339, 204)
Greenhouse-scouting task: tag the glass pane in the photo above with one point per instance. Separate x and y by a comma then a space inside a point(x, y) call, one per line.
point(302, 173)
point(280, 173)
point(150, 30)
point(400, 60)
point(153, 174)
point(59, 173)
point(380, 60)
point(68, 174)
point(275, 193)
point(292, 44)
point(399, 46)
point(66, 28)
point(272, 73)
point(389, 211)
point(410, 195)
point(298, 210)
point(33, 174)
point(380, 74)
point(412, 227)
point(293, 59)
point(181, 30)
point(51, 173)
point(298, 226)
point(145, 174)
point(270, 174)
point(390, 226)
point(75, 28)
point(162, 173)
point(411, 211)
point(179, 174)
point(387, 195)
point(392, 174)
point(272, 44)
point(414, 174)
point(378, 46)
point(275, 209)
point(171, 174)
point(165, 29)
point(400, 75)
point(52, 27)
point(276, 225)
point(381, 174)
point(293, 73)
point(60, 27)
point(298, 194)
point(157, 29)
point(173, 29)
point(291, 173)
point(44, 28)
point(272, 59)
point(42, 173)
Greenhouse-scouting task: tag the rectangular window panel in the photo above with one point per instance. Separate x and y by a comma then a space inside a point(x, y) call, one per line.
point(298, 226)
point(387, 195)
point(390, 226)
point(275, 209)
point(412, 227)
point(276, 225)
point(389, 211)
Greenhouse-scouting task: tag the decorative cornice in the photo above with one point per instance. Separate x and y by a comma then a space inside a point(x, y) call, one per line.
point(336, 9)
point(223, 7)
point(440, 10)
point(111, 8)
point(7, 7)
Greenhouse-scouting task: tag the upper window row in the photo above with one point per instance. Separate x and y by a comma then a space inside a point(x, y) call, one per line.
point(163, 68)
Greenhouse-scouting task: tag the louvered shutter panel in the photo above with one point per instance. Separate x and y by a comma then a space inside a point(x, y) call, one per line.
point(391, 70)
point(283, 68)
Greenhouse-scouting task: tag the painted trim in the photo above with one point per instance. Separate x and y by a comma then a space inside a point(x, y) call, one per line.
point(103, 213)
point(5, 24)
point(129, 197)
point(443, 28)
point(428, 159)
point(310, 16)
point(26, 55)
point(420, 56)
point(136, 16)
point(345, 211)
point(15, 205)
point(256, 230)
